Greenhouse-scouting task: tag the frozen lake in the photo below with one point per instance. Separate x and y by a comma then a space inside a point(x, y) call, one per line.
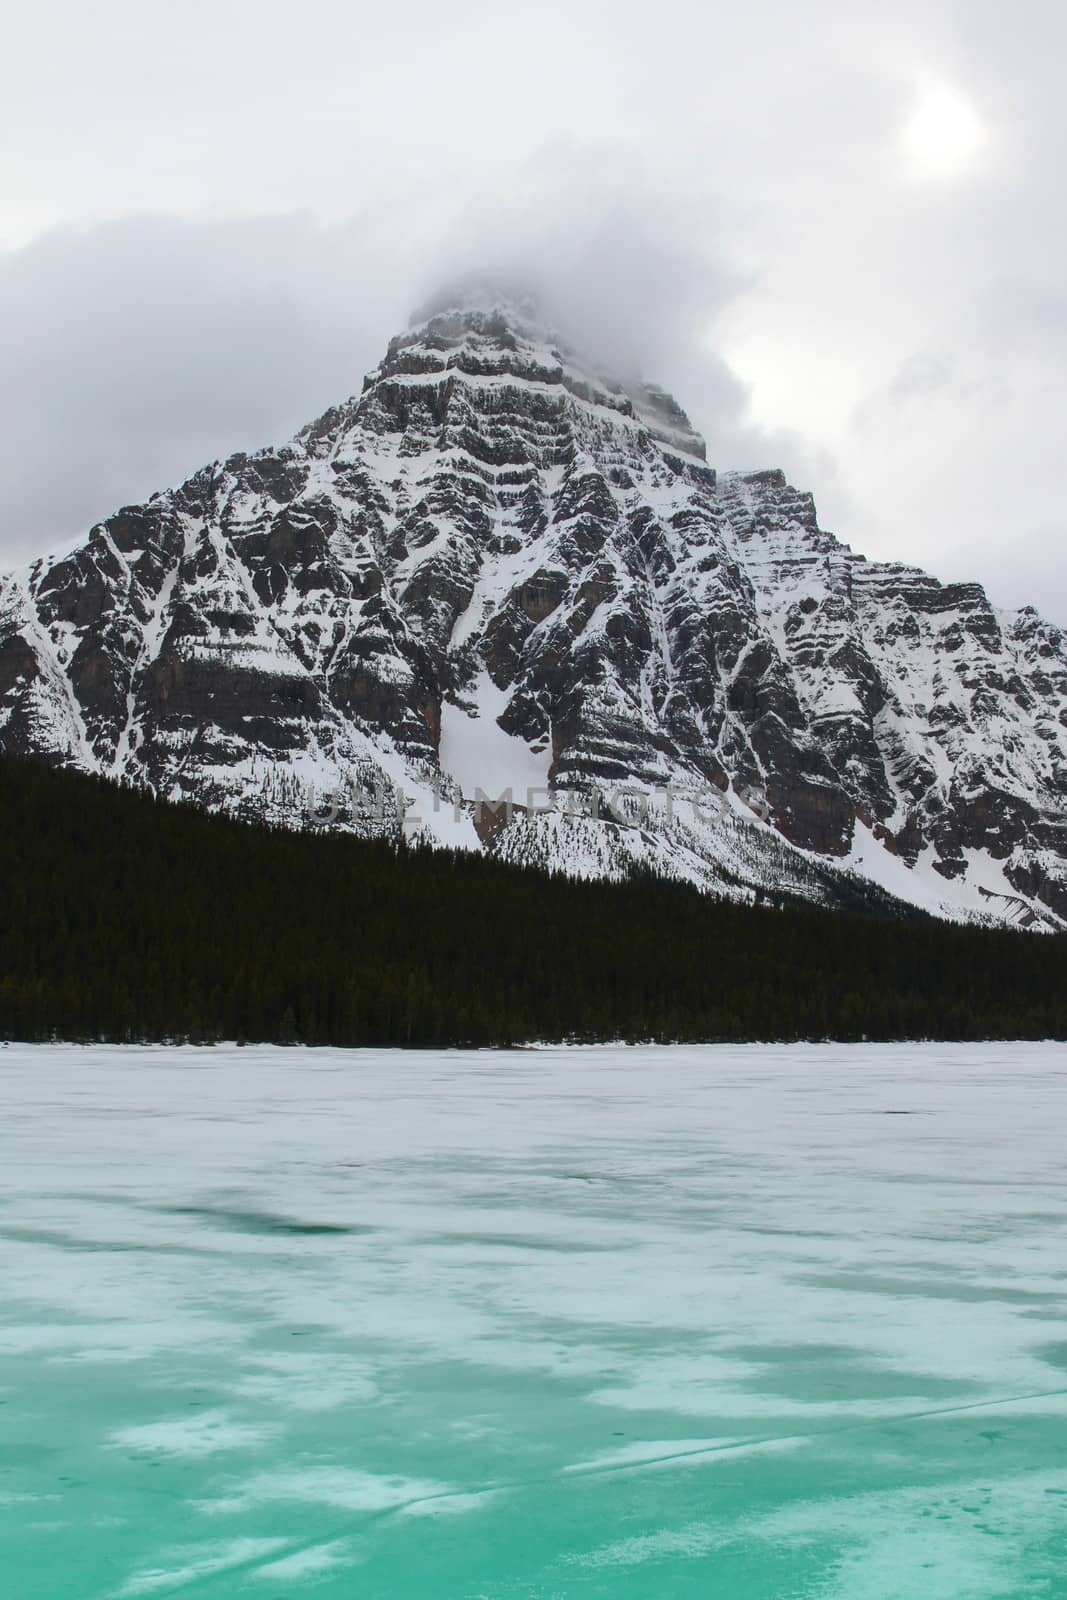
point(536, 1325)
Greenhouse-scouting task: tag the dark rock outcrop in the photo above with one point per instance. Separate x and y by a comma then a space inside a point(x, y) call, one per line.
point(493, 528)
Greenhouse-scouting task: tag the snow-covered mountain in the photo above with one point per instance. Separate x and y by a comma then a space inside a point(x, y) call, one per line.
point(497, 569)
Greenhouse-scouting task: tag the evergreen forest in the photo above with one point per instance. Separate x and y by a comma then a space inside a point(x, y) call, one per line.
point(126, 918)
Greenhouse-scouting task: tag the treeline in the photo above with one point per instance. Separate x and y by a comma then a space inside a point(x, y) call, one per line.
point(125, 918)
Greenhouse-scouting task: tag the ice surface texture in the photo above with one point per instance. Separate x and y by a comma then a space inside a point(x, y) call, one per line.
point(630, 1322)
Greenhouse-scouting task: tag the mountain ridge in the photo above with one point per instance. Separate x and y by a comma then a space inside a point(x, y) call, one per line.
point(496, 563)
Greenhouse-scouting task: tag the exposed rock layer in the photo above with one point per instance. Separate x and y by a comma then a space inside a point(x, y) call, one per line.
point(494, 558)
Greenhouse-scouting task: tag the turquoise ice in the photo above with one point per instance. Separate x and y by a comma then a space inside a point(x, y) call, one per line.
point(534, 1325)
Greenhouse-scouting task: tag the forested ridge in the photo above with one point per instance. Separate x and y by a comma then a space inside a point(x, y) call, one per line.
point(128, 918)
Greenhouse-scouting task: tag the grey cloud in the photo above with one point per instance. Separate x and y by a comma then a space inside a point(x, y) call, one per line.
point(141, 349)
point(621, 273)
point(717, 197)
point(145, 347)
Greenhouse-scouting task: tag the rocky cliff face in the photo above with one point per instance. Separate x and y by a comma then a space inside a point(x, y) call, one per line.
point(496, 570)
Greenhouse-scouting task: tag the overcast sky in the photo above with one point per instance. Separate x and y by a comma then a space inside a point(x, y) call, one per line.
point(835, 230)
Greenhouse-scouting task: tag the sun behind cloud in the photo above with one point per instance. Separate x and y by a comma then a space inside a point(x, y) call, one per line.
point(944, 137)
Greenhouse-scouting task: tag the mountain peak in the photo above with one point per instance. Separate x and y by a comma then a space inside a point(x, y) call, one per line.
point(519, 306)
point(512, 315)
point(499, 569)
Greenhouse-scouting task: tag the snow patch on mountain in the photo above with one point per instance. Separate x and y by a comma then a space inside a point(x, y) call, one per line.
point(498, 568)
